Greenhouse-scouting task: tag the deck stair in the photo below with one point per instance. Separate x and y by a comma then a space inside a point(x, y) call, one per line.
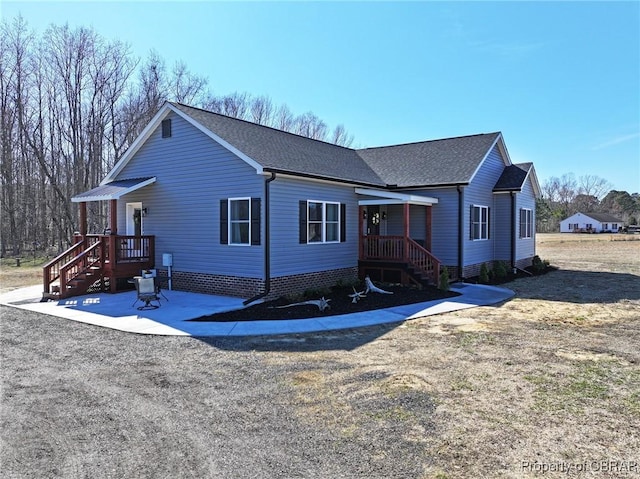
point(96, 263)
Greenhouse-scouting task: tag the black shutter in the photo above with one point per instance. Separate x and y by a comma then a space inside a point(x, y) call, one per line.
point(224, 222)
point(303, 222)
point(343, 222)
point(471, 222)
point(488, 223)
point(521, 225)
point(255, 221)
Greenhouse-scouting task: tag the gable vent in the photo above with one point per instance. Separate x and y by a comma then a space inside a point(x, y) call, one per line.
point(166, 128)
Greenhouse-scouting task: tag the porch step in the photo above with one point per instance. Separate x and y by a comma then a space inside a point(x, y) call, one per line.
point(419, 276)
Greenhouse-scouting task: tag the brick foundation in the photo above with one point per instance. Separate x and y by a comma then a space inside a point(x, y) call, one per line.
point(249, 287)
point(212, 284)
point(321, 279)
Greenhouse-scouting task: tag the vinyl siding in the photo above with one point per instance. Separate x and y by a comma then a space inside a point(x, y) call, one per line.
point(480, 193)
point(288, 255)
point(394, 224)
point(526, 247)
point(193, 173)
point(502, 226)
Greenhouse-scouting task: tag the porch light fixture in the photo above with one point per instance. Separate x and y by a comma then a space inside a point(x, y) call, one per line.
point(144, 212)
point(364, 214)
point(384, 215)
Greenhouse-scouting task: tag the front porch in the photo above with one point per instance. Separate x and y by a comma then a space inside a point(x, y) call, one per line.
point(100, 262)
point(391, 249)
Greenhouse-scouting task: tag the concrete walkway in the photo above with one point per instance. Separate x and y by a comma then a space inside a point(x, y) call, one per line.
point(116, 311)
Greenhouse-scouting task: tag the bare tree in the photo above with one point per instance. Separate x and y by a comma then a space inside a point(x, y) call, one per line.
point(235, 105)
point(185, 86)
point(341, 137)
point(261, 110)
point(283, 118)
point(592, 185)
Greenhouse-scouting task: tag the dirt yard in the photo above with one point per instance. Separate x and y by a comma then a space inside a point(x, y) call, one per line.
point(544, 385)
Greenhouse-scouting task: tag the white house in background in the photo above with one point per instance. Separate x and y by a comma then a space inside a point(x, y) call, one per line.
point(591, 223)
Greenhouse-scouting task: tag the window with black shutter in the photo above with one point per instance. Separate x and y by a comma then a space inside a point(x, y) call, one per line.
point(240, 221)
point(322, 222)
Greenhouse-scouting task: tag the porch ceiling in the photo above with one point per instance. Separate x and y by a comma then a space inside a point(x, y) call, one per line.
point(392, 198)
point(113, 190)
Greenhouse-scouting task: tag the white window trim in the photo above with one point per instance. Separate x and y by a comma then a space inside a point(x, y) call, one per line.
point(324, 222)
point(528, 223)
point(230, 221)
point(481, 238)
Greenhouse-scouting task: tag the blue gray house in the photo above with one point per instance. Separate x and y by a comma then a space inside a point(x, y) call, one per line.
point(227, 206)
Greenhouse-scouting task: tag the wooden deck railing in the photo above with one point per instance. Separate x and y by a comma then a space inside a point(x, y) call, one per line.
point(402, 250)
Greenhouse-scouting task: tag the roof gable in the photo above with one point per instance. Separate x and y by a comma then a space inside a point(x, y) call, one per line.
point(154, 124)
point(514, 177)
point(281, 151)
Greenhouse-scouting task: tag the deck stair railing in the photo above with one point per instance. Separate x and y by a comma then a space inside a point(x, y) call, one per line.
point(401, 249)
point(83, 258)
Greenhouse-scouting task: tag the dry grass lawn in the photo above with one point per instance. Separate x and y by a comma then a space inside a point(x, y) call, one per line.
point(544, 385)
point(550, 379)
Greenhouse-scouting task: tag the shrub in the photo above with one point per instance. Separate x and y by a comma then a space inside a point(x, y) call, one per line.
point(315, 293)
point(500, 271)
point(539, 266)
point(443, 282)
point(484, 274)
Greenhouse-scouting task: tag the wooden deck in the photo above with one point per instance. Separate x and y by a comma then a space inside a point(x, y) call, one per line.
point(97, 262)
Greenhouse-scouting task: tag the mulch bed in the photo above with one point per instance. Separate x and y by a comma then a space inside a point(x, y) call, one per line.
point(340, 303)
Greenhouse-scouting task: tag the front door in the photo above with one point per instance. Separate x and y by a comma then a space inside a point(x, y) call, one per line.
point(134, 219)
point(131, 247)
point(373, 220)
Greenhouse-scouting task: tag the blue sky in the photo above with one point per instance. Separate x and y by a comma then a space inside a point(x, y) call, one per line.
point(560, 80)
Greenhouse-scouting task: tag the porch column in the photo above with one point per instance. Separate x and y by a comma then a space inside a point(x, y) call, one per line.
point(83, 218)
point(427, 236)
point(113, 216)
point(406, 231)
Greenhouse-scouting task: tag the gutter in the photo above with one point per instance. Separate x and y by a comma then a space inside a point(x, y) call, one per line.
point(513, 231)
point(267, 244)
point(460, 230)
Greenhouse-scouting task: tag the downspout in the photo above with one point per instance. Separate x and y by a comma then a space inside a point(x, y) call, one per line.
point(513, 231)
point(267, 244)
point(460, 231)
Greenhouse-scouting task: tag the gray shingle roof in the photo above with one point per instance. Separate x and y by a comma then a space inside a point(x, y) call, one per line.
point(513, 177)
point(436, 162)
point(603, 217)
